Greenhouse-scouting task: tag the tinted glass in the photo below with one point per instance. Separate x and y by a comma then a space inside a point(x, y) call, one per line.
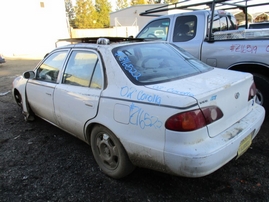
point(223, 24)
point(150, 63)
point(232, 24)
point(219, 24)
point(259, 26)
point(215, 25)
point(185, 28)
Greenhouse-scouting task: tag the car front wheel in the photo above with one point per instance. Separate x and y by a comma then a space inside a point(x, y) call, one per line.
point(109, 153)
point(18, 99)
point(27, 117)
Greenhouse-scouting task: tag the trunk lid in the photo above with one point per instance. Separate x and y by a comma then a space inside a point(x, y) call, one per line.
point(228, 90)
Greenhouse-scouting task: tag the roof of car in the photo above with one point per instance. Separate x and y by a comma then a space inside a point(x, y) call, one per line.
point(97, 41)
point(101, 40)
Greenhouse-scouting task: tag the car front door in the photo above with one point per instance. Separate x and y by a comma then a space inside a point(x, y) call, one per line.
point(40, 90)
point(76, 99)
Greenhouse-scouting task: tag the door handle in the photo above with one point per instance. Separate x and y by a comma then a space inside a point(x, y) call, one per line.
point(89, 104)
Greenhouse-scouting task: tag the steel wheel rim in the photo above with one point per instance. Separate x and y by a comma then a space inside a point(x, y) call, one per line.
point(107, 151)
point(259, 97)
point(18, 99)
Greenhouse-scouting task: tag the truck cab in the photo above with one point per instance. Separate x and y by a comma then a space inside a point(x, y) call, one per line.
point(185, 26)
point(216, 42)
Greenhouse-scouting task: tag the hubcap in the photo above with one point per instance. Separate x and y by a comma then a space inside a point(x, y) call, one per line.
point(108, 151)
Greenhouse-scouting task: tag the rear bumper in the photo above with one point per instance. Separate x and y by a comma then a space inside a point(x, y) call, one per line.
point(206, 155)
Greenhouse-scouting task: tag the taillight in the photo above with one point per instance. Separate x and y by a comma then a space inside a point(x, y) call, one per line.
point(252, 91)
point(193, 120)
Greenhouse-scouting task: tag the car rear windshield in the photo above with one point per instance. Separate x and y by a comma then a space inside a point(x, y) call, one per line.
point(151, 63)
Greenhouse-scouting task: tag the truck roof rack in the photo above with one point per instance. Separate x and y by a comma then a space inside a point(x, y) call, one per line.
point(100, 40)
point(192, 5)
point(97, 39)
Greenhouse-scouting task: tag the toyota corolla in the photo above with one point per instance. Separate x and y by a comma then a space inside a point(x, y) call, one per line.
point(146, 104)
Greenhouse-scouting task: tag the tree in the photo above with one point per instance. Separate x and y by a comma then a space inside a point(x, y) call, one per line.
point(137, 2)
point(103, 8)
point(85, 15)
point(69, 9)
point(170, 1)
point(163, 1)
point(122, 4)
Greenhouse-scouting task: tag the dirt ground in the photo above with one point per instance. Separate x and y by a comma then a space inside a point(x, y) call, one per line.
point(39, 162)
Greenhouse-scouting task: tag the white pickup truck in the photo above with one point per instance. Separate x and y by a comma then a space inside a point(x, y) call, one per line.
point(218, 42)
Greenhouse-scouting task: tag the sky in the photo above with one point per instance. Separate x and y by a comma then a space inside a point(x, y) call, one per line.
point(113, 4)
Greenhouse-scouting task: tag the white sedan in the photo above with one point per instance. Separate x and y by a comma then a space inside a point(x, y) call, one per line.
point(146, 104)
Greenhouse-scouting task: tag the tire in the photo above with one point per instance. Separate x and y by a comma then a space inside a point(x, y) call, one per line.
point(27, 117)
point(262, 85)
point(109, 153)
point(18, 98)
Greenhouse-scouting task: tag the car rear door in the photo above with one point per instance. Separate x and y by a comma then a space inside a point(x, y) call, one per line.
point(40, 90)
point(76, 98)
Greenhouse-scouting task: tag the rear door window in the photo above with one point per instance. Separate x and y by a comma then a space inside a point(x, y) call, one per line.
point(83, 69)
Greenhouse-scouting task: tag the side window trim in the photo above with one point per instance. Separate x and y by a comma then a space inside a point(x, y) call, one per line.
point(94, 67)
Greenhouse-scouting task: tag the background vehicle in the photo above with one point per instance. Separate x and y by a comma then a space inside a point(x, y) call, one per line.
point(216, 42)
point(148, 104)
point(2, 59)
point(258, 25)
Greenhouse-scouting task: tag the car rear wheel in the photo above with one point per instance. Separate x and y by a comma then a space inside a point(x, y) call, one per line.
point(262, 85)
point(109, 153)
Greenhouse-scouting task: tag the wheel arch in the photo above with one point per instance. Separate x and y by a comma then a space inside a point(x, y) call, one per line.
point(24, 105)
point(89, 128)
point(113, 162)
point(88, 131)
point(253, 68)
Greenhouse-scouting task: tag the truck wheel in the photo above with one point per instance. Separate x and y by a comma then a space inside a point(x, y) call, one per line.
point(109, 153)
point(262, 86)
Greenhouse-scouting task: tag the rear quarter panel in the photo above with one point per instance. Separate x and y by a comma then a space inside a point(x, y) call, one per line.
point(137, 115)
point(136, 123)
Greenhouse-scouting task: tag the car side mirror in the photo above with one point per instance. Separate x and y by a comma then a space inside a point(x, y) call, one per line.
point(29, 75)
